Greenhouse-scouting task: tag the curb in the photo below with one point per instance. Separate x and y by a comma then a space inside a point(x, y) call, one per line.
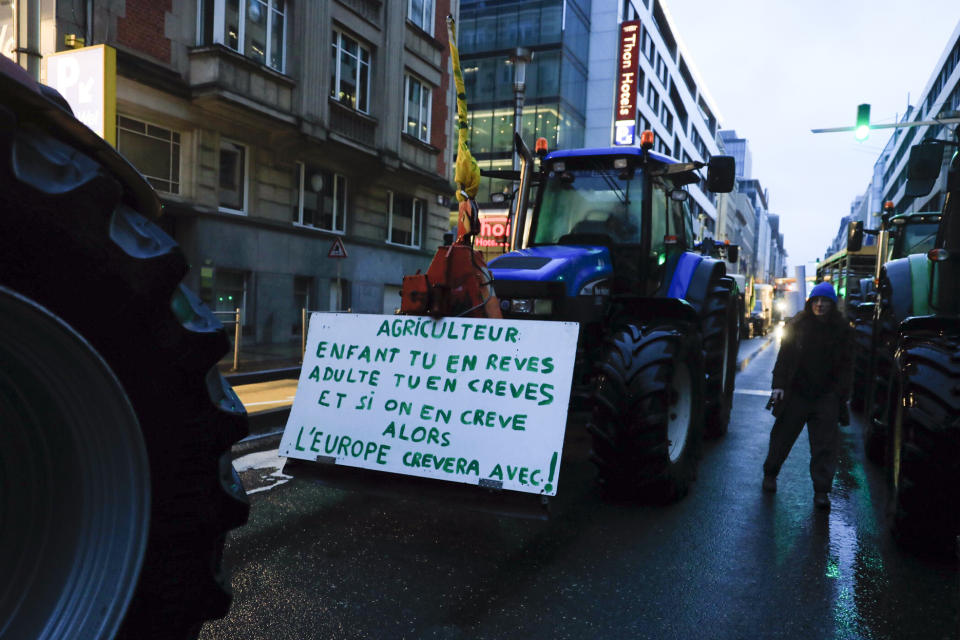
point(266, 429)
point(742, 364)
point(257, 442)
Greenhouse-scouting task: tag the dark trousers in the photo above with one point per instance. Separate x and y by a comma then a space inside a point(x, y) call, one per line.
point(820, 416)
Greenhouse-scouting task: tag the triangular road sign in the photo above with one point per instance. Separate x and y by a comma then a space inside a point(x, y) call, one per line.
point(337, 250)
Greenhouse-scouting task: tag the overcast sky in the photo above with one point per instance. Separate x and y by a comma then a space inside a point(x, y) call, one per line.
point(778, 68)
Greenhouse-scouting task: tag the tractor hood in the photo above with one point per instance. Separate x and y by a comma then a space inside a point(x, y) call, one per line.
point(575, 266)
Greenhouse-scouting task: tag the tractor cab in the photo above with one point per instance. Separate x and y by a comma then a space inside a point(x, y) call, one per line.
point(604, 222)
point(913, 233)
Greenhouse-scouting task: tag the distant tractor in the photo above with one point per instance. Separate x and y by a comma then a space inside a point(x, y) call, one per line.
point(899, 236)
point(609, 244)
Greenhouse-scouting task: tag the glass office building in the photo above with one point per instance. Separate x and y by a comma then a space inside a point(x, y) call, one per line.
point(557, 32)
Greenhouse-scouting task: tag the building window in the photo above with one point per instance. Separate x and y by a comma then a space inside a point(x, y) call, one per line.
point(405, 220)
point(350, 79)
point(321, 198)
point(233, 177)
point(420, 13)
point(662, 70)
point(153, 150)
point(254, 28)
point(653, 98)
point(666, 117)
point(417, 110)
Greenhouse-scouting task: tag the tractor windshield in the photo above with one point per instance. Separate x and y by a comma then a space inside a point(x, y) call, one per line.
point(915, 238)
point(590, 202)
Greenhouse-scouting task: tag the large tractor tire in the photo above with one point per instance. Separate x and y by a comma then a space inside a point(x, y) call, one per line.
point(647, 423)
point(862, 341)
point(924, 452)
point(117, 489)
point(878, 393)
point(721, 344)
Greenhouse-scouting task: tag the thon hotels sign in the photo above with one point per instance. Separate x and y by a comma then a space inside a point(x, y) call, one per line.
point(625, 103)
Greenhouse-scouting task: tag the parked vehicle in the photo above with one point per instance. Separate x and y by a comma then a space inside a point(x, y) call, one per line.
point(918, 306)
point(608, 244)
point(899, 236)
point(761, 317)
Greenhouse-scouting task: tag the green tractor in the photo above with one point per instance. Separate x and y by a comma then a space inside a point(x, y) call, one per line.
point(609, 244)
point(116, 483)
point(898, 237)
point(918, 307)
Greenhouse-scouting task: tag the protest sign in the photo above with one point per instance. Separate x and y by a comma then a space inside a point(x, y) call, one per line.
point(470, 400)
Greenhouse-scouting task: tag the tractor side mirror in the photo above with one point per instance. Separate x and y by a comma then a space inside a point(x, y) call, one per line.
point(855, 236)
point(923, 167)
point(733, 252)
point(721, 172)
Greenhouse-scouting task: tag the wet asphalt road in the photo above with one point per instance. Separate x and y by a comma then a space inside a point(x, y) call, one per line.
point(726, 562)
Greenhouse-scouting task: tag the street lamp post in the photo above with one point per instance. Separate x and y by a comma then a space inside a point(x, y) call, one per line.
point(519, 58)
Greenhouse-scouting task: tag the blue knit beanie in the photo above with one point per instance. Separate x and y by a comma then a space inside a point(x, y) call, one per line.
point(823, 290)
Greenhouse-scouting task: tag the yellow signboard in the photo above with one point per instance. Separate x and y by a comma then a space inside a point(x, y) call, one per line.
point(87, 80)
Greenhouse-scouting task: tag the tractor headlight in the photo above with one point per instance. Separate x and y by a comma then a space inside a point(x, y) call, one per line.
point(521, 305)
point(535, 306)
point(542, 307)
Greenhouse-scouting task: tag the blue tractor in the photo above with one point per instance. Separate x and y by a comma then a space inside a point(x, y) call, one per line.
point(609, 243)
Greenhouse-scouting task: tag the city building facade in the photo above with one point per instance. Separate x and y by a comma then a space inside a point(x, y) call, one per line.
point(671, 100)
point(556, 33)
point(272, 130)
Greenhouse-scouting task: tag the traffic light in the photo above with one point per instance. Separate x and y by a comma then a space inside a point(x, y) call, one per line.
point(862, 132)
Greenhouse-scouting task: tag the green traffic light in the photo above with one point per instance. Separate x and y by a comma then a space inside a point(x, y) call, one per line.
point(862, 132)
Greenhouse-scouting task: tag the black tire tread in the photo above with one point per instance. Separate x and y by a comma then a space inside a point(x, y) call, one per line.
point(629, 420)
point(115, 276)
point(925, 509)
point(718, 318)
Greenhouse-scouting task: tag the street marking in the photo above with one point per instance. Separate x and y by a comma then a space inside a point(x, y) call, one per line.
point(753, 392)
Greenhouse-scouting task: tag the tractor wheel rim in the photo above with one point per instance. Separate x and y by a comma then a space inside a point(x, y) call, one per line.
point(72, 452)
point(679, 411)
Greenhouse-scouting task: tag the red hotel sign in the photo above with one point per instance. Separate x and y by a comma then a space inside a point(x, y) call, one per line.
point(494, 231)
point(626, 102)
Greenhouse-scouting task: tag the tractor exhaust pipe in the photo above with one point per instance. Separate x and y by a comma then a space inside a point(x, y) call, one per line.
point(519, 213)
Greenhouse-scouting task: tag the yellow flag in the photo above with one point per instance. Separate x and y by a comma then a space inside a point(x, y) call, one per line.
point(466, 173)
